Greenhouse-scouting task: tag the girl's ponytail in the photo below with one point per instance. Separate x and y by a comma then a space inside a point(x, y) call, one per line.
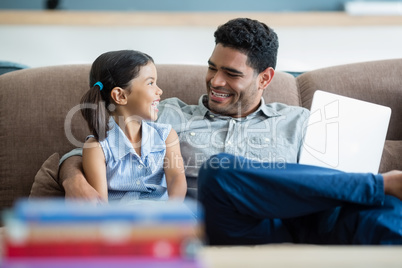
point(93, 109)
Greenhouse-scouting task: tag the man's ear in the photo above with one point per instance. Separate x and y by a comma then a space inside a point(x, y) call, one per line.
point(119, 96)
point(265, 77)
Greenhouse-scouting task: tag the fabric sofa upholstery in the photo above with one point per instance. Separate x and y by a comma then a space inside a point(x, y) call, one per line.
point(377, 82)
point(39, 114)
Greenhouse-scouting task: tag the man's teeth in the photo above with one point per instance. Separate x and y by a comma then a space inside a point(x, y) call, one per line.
point(220, 95)
point(155, 103)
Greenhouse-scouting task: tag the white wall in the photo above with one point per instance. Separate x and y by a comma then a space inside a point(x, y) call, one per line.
point(301, 48)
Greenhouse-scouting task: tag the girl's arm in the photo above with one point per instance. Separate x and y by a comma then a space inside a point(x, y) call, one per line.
point(93, 163)
point(174, 168)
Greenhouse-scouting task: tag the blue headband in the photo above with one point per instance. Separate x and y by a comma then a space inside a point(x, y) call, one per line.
point(99, 84)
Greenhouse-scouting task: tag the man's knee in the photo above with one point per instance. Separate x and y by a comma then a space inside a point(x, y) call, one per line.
point(215, 169)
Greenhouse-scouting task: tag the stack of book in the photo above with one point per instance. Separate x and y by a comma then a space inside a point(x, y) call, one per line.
point(58, 233)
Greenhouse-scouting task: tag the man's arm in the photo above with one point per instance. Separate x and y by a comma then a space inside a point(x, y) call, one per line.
point(174, 168)
point(71, 177)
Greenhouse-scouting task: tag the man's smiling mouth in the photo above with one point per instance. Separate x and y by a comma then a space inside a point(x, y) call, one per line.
point(219, 95)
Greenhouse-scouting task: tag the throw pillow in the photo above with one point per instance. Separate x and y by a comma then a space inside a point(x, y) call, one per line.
point(45, 182)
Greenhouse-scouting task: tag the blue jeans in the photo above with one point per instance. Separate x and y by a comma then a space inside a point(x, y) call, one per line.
point(248, 202)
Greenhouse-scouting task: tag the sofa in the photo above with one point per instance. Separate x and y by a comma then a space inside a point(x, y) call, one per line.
point(40, 120)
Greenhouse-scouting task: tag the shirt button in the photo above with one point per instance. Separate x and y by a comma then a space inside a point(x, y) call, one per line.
point(211, 115)
point(192, 133)
point(140, 166)
point(233, 121)
point(267, 139)
point(138, 182)
point(229, 143)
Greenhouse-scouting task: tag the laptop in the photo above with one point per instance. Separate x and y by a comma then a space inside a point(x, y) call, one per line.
point(345, 133)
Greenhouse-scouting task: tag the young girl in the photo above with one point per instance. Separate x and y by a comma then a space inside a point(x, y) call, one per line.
point(128, 157)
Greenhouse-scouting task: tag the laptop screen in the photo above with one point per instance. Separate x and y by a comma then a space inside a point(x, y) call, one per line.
point(345, 133)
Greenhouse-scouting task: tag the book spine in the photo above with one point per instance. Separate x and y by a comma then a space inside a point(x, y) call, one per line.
point(147, 248)
point(36, 233)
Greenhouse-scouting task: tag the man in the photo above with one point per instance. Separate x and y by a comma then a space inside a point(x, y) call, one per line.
point(273, 199)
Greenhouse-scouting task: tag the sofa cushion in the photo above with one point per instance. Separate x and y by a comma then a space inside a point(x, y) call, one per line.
point(182, 81)
point(391, 156)
point(37, 118)
point(376, 81)
point(45, 182)
point(283, 89)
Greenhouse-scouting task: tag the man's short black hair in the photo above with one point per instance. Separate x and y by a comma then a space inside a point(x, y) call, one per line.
point(253, 38)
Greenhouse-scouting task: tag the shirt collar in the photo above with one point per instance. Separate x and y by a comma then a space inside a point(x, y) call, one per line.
point(121, 146)
point(267, 110)
point(202, 110)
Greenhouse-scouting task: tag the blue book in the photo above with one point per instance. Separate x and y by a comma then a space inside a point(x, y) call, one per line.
point(63, 210)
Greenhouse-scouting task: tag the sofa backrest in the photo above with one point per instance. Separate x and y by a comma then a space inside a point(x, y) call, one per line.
point(35, 104)
point(376, 81)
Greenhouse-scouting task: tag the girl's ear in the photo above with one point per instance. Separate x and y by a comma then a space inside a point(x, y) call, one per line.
point(119, 96)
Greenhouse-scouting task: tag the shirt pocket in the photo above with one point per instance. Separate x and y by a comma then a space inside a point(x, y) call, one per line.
point(196, 147)
point(196, 139)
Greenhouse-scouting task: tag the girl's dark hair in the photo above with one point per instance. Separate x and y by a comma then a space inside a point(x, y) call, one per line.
point(112, 69)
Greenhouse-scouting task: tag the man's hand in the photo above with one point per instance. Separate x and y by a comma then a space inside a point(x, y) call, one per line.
point(72, 179)
point(393, 183)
